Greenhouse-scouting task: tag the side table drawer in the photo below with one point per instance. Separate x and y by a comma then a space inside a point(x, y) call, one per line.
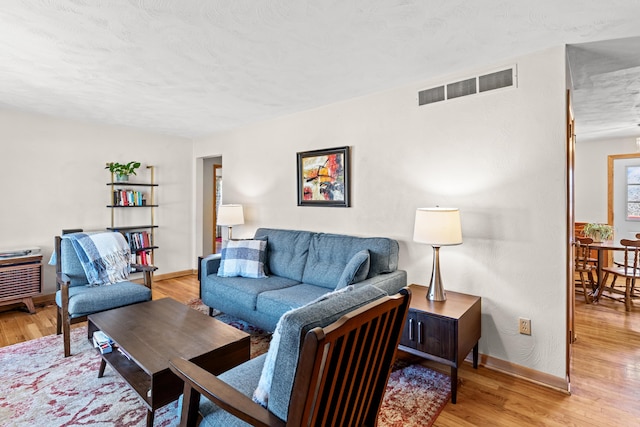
point(430, 334)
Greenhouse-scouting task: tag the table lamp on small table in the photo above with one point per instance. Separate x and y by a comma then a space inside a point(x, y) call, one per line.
point(230, 215)
point(437, 227)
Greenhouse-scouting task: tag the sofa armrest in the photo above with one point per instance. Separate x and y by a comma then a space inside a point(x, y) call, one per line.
point(209, 265)
point(391, 283)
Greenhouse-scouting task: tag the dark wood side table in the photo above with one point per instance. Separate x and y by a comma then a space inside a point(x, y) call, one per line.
point(443, 331)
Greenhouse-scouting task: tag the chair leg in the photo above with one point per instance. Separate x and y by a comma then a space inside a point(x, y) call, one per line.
point(627, 295)
point(584, 288)
point(66, 336)
point(613, 282)
point(603, 285)
point(66, 319)
point(58, 321)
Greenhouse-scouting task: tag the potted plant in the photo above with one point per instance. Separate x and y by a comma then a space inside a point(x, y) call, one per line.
point(598, 232)
point(123, 170)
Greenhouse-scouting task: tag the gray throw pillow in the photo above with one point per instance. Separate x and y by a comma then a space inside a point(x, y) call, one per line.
point(356, 269)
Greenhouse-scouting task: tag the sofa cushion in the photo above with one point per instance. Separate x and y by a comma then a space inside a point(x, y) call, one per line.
point(244, 292)
point(287, 250)
point(282, 300)
point(294, 325)
point(329, 254)
point(356, 269)
point(243, 378)
point(89, 299)
point(245, 258)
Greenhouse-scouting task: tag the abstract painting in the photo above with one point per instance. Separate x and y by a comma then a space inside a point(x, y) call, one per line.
point(323, 177)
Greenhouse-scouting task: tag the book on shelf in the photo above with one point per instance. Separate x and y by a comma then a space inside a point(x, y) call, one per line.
point(102, 342)
point(138, 240)
point(127, 198)
point(124, 353)
point(143, 258)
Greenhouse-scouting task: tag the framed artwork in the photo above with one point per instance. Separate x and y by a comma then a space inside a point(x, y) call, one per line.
point(323, 177)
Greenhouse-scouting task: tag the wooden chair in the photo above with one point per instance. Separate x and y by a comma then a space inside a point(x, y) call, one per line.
point(628, 269)
point(583, 266)
point(76, 300)
point(341, 376)
point(619, 264)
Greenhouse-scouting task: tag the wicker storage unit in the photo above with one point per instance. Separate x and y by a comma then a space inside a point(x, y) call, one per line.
point(20, 280)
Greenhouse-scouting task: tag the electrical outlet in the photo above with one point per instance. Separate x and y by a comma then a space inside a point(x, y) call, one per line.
point(524, 326)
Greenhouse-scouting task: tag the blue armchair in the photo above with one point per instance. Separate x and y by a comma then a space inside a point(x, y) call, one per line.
point(328, 364)
point(76, 298)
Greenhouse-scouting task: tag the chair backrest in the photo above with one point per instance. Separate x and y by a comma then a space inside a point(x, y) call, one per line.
point(67, 262)
point(343, 368)
point(631, 255)
point(582, 252)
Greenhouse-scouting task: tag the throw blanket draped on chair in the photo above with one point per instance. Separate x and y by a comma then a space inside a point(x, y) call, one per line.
point(105, 257)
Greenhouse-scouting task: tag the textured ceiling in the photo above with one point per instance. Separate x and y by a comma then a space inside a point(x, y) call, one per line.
point(195, 67)
point(606, 88)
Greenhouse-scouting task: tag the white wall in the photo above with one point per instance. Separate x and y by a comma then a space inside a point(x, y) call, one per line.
point(591, 175)
point(52, 176)
point(499, 157)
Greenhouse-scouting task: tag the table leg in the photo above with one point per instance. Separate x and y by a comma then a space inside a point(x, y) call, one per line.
point(454, 384)
point(149, 418)
point(475, 356)
point(599, 274)
point(103, 365)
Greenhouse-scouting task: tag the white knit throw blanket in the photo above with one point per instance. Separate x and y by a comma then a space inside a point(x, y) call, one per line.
point(104, 256)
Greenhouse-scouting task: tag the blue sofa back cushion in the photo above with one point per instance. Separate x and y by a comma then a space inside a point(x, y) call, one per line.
point(287, 251)
point(329, 254)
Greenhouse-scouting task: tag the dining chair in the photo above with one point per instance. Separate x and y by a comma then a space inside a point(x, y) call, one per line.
point(619, 264)
point(583, 266)
point(628, 269)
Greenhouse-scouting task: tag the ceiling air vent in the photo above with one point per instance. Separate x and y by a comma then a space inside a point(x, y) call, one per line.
point(429, 96)
point(472, 86)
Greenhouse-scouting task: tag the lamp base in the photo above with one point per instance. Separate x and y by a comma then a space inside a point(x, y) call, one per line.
point(436, 290)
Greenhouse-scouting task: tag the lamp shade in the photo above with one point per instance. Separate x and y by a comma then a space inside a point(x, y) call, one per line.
point(230, 215)
point(438, 226)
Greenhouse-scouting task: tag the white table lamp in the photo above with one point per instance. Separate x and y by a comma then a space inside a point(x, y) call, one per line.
point(437, 227)
point(230, 215)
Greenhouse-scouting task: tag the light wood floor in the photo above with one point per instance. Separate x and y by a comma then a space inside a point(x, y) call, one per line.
point(605, 370)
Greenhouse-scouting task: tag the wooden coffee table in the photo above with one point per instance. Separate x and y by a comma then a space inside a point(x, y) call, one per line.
point(154, 332)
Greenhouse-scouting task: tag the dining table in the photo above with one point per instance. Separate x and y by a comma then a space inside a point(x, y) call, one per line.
point(602, 248)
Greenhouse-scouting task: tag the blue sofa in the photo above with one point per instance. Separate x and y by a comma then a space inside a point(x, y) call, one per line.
point(301, 266)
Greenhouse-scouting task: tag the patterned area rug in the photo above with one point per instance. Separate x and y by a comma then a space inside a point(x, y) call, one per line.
point(41, 387)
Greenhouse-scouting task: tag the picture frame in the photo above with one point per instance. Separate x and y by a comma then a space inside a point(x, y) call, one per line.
point(324, 177)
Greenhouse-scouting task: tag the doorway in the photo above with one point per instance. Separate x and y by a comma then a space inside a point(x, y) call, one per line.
point(210, 198)
point(217, 201)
